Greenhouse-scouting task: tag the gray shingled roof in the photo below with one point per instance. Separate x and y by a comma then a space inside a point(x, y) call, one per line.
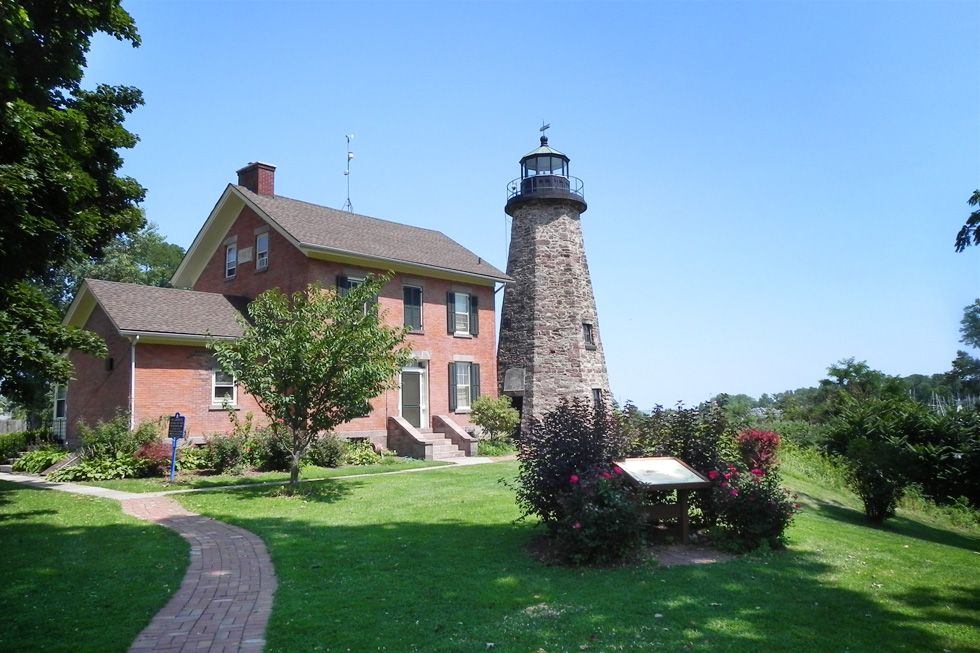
point(151, 309)
point(320, 226)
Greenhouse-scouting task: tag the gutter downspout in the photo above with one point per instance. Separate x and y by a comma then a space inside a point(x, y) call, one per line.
point(132, 381)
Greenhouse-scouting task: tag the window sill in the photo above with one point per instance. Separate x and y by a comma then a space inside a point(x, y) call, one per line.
point(462, 334)
point(416, 332)
point(463, 411)
point(590, 347)
point(216, 407)
point(231, 278)
point(260, 270)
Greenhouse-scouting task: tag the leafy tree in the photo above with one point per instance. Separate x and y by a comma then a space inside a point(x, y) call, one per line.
point(60, 196)
point(313, 360)
point(495, 416)
point(970, 325)
point(964, 377)
point(969, 233)
point(144, 258)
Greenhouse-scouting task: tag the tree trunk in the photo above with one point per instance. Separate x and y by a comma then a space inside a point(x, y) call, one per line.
point(294, 466)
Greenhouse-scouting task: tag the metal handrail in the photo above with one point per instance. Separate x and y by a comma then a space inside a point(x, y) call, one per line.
point(543, 183)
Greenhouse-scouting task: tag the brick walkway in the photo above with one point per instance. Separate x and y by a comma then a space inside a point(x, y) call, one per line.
point(223, 605)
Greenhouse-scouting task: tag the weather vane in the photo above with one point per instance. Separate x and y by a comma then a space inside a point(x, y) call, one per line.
point(350, 155)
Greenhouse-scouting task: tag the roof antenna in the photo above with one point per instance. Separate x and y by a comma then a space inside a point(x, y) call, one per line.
point(350, 155)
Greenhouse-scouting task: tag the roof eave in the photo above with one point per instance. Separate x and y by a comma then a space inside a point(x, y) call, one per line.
point(308, 248)
point(166, 337)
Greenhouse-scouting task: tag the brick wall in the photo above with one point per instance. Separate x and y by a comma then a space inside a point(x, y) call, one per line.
point(97, 393)
point(171, 378)
point(286, 270)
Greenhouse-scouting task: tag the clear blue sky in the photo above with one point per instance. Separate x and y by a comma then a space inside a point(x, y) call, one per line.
point(772, 186)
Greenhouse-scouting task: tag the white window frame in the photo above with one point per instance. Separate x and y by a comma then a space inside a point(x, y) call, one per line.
point(231, 261)
point(224, 400)
point(262, 253)
point(464, 298)
point(59, 423)
point(464, 390)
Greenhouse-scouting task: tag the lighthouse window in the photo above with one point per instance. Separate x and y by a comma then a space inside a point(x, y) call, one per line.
point(462, 314)
point(588, 335)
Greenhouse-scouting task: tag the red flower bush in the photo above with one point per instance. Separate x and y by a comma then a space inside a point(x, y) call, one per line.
point(758, 449)
point(752, 508)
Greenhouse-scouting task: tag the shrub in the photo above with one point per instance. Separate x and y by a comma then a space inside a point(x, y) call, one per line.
point(600, 519)
point(229, 453)
point(108, 439)
point(154, 458)
point(273, 449)
point(326, 451)
point(753, 510)
point(875, 473)
point(360, 453)
point(496, 448)
point(12, 443)
point(758, 449)
point(569, 440)
point(190, 458)
point(106, 468)
point(495, 416)
point(38, 460)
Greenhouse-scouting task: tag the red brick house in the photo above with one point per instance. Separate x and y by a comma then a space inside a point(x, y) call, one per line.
point(254, 240)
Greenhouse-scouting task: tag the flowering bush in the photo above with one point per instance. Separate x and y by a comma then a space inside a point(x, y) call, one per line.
point(572, 438)
point(600, 519)
point(752, 507)
point(758, 449)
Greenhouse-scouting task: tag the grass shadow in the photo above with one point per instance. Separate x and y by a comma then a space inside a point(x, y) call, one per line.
point(453, 585)
point(78, 574)
point(898, 525)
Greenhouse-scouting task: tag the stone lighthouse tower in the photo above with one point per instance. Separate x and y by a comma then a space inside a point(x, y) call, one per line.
point(550, 344)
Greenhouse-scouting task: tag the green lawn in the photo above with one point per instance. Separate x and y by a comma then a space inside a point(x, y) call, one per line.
point(78, 574)
point(434, 562)
point(192, 481)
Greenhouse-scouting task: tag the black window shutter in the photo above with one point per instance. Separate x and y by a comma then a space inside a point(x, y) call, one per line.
point(474, 316)
point(452, 387)
point(451, 312)
point(474, 382)
point(343, 286)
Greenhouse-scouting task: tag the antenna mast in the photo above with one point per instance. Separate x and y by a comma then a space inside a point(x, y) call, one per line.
point(350, 155)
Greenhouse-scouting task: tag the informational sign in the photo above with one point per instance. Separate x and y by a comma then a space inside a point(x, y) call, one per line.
point(176, 430)
point(663, 473)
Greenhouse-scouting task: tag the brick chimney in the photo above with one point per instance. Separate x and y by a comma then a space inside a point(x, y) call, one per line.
point(259, 178)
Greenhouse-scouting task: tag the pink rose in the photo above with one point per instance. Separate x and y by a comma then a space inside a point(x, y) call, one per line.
point(734, 492)
point(606, 475)
point(723, 484)
point(618, 469)
point(758, 472)
point(728, 475)
point(713, 474)
point(573, 479)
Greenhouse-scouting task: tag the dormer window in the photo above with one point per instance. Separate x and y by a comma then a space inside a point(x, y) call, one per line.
point(231, 261)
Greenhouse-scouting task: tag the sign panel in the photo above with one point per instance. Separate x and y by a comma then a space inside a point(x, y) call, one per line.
point(663, 473)
point(176, 429)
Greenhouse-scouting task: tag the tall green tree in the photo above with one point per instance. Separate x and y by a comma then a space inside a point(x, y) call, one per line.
point(969, 233)
point(314, 360)
point(144, 257)
point(60, 195)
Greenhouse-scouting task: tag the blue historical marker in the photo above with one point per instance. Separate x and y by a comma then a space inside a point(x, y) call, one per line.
point(176, 432)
